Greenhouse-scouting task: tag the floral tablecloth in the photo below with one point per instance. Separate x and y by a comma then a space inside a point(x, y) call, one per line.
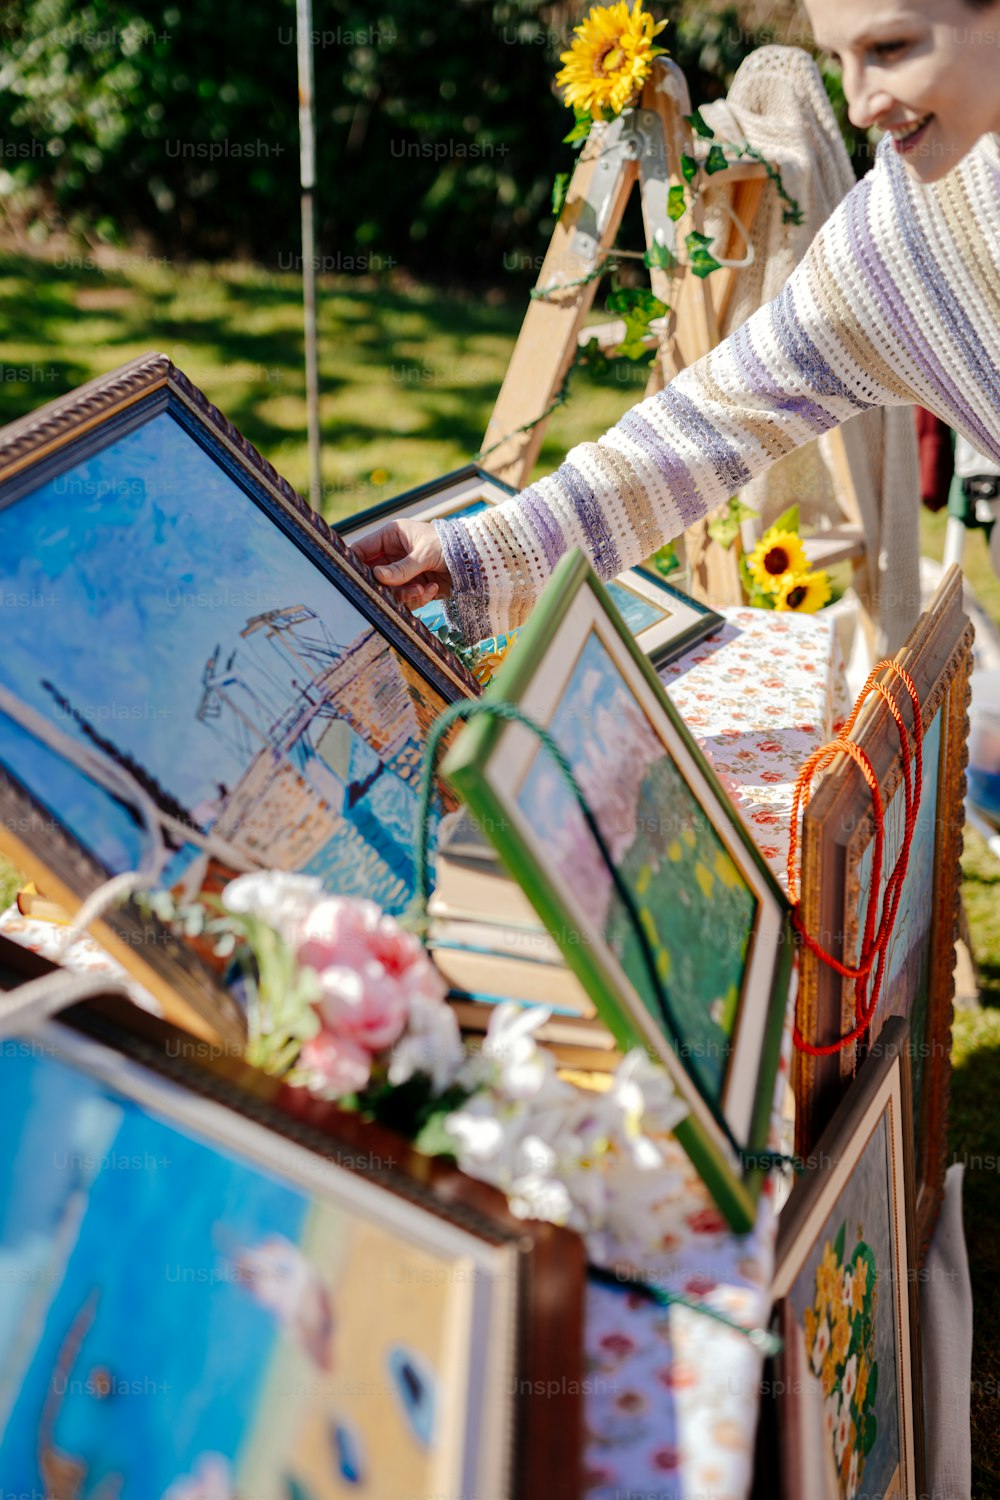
point(672, 1396)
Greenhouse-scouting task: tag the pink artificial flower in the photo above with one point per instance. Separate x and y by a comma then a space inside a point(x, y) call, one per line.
point(334, 1065)
point(372, 973)
point(363, 1004)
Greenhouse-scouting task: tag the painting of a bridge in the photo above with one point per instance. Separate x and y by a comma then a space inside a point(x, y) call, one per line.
point(165, 621)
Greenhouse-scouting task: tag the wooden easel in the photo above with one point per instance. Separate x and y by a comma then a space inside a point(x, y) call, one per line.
point(645, 146)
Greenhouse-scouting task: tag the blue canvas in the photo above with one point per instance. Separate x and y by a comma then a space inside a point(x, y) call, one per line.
point(182, 631)
point(170, 1309)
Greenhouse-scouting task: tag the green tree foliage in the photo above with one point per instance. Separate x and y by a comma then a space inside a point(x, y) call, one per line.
point(438, 128)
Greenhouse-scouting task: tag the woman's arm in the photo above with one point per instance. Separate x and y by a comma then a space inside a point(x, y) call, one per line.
point(800, 366)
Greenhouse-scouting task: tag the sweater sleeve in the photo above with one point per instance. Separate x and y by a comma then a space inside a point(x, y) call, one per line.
point(799, 366)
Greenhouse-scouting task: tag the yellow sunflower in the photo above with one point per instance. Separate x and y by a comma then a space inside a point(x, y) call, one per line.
point(777, 554)
point(610, 58)
point(490, 658)
point(803, 592)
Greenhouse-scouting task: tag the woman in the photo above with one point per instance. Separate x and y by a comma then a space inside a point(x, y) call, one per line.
point(897, 301)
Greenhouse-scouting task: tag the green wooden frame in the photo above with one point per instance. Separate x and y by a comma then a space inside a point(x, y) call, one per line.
point(476, 766)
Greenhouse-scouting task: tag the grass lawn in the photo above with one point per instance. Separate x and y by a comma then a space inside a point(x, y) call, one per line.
point(409, 375)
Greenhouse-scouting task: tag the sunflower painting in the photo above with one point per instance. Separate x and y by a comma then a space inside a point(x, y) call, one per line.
point(609, 60)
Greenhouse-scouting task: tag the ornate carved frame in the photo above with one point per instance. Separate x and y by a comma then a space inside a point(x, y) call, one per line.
point(43, 444)
point(837, 828)
point(548, 1263)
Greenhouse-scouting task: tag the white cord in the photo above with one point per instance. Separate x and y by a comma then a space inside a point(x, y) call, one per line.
point(100, 768)
point(27, 1006)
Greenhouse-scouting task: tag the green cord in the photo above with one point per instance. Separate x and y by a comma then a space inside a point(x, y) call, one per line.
point(467, 709)
point(768, 1344)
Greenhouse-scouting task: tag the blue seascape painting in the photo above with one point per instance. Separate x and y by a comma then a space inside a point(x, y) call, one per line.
point(177, 1323)
point(159, 617)
point(698, 911)
point(905, 987)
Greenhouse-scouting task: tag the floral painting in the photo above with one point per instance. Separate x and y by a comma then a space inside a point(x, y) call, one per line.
point(168, 622)
point(695, 905)
point(845, 1299)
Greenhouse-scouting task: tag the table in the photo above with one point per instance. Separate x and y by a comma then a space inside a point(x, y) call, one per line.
point(671, 1396)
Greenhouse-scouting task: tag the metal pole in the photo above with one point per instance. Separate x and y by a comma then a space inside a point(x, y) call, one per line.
point(307, 179)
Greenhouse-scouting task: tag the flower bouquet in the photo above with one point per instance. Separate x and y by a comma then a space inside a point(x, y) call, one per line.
point(343, 1001)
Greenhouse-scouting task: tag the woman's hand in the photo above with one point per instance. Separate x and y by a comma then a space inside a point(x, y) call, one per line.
point(407, 557)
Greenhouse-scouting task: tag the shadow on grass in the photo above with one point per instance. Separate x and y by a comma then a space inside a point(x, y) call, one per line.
point(420, 348)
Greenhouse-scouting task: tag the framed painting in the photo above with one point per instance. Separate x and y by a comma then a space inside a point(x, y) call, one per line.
point(848, 1298)
point(837, 851)
point(196, 672)
point(664, 621)
point(714, 918)
point(210, 1284)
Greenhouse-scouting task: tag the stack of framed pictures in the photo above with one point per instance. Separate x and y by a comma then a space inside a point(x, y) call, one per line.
point(178, 616)
point(664, 621)
point(847, 1386)
point(211, 1284)
point(837, 851)
point(714, 920)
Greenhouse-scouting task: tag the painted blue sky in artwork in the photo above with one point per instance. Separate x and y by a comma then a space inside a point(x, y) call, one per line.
point(106, 1204)
point(119, 578)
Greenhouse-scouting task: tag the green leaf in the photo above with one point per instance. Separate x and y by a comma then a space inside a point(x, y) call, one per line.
point(676, 203)
point(665, 560)
point(838, 1244)
point(660, 257)
point(872, 1390)
point(724, 527)
point(700, 259)
point(699, 127)
point(787, 521)
point(631, 300)
point(689, 168)
point(433, 1139)
point(581, 129)
point(716, 161)
point(868, 1435)
point(701, 264)
point(560, 187)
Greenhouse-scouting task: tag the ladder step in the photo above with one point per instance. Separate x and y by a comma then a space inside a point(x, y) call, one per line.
point(838, 544)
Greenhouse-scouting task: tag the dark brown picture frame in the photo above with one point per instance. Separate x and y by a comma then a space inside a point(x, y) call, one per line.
point(546, 1391)
point(41, 446)
point(838, 826)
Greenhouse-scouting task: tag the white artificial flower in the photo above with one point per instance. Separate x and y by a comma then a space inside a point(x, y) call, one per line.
point(571, 1156)
point(511, 1061)
point(282, 900)
point(431, 1044)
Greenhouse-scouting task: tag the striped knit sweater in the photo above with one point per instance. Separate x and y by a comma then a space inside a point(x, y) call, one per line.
point(896, 301)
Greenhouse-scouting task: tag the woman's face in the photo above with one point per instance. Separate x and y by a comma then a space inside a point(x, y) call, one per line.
point(926, 71)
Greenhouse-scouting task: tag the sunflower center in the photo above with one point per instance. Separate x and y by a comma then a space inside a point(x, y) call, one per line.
point(610, 58)
point(776, 560)
point(796, 596)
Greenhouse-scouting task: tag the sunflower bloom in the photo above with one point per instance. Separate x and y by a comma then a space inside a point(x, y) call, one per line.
point(805, 593)
point(776, 555)
point(492, 654)
point(609, 60)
